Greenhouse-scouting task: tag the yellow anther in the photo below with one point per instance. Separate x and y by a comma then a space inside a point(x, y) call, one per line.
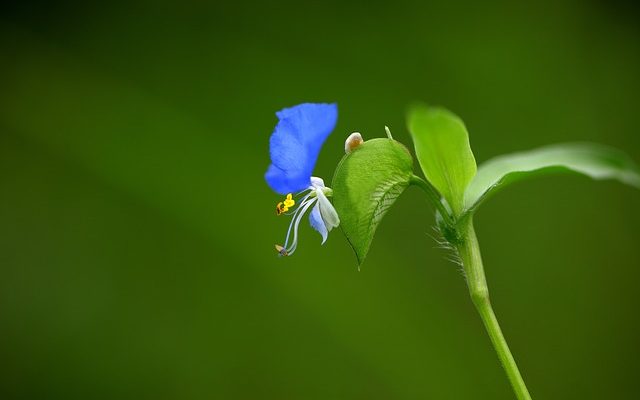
point(289, 201)
point(283, 206)
point(281, 250)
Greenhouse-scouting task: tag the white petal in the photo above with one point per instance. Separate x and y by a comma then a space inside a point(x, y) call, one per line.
point(329, 214)
point(317, 182)
point(315, 218)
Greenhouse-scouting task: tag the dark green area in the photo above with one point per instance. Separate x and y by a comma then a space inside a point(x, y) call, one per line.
point(136, 231)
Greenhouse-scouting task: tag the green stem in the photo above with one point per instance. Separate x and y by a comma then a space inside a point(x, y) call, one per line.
point(472, 262)
point(434, 196)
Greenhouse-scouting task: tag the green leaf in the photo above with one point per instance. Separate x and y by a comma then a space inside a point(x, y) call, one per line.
point(593, 160)
point(442, 148)
point(365, 185)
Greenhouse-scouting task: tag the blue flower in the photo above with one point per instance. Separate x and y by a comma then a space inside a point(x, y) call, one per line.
point(294, 146)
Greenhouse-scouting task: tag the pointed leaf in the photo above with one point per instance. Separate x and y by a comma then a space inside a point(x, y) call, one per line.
point(365, 185)
point(442, 147)
point(593, 160)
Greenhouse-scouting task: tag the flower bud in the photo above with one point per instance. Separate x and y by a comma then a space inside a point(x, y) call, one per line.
point(354, 140)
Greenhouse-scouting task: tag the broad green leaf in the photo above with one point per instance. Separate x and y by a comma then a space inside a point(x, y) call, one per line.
point(442, 148)
point(366, 183)
point(593, 160)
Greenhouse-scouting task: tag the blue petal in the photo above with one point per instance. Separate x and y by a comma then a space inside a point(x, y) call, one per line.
point(315, 218)
point(295, 144)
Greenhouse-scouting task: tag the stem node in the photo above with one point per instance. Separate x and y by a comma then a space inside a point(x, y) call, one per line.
point(480, 297)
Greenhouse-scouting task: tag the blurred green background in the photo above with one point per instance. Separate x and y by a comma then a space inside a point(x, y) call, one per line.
point(136, 230)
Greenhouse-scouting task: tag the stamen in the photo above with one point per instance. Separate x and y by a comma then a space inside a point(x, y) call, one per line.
point(296, 223)
point(281, 250)
point(283, 206)
point(304, 204)
point(289, 202)
point(295, 216)
point(301, 201)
